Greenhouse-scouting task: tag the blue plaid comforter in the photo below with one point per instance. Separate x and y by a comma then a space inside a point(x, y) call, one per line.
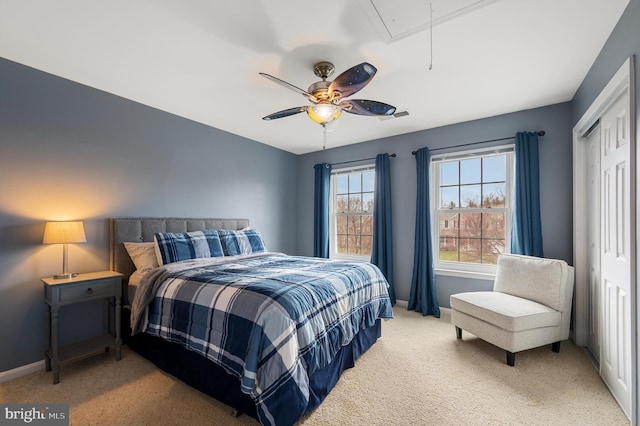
point(269, 319)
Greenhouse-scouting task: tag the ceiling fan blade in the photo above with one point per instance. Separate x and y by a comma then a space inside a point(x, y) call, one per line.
point(352, 80)
point(365, 107)
point(285, 113)
point(290, 87)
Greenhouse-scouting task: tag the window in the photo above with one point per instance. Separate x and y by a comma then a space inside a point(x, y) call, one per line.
point(472, 220)
point(352, 212)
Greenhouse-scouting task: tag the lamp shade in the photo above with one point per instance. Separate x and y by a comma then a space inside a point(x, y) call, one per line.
point(64, 232)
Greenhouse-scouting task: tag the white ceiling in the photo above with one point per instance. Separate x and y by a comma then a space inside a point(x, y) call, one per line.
point(200, 59)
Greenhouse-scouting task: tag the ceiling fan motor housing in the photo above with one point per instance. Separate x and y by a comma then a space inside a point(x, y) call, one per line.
point(320, 90)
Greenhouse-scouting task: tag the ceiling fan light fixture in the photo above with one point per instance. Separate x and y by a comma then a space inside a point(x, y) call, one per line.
point(324, 113)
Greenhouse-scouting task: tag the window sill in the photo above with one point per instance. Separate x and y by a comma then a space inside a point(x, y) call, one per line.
point(352, 258)
point(466, 274)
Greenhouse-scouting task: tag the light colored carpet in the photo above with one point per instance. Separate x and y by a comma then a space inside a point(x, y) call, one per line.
point(417, 374)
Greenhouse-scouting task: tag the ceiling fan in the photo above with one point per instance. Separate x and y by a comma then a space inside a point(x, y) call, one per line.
point(327, 97)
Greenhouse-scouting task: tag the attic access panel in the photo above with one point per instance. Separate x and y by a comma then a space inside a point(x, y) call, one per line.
point(396, 19)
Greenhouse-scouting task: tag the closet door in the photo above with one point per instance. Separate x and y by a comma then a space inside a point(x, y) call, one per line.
point(616, 252)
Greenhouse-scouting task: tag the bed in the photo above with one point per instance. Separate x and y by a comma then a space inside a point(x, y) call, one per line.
point(269, 334)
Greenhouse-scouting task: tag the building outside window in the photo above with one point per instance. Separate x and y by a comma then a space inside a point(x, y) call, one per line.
point(352, 212)
point(472, 208)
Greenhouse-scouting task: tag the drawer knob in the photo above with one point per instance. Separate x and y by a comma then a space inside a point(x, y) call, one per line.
point(89, 290)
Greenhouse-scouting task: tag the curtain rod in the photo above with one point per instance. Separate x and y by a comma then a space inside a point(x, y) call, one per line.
point(357, 161)
point(540, 133)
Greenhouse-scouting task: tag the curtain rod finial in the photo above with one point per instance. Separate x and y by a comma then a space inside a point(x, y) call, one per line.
point(541, 133)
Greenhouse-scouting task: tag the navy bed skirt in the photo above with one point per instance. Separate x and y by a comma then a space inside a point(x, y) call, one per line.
point(213, 380)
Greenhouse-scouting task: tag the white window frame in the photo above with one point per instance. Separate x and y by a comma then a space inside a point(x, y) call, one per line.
point(462, 269)
point(333, 244)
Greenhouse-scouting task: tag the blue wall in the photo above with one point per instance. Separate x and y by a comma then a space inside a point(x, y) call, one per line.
point(68, 151)
point(555, 183)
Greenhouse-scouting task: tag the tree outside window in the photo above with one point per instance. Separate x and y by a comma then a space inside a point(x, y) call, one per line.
point(353, 212)
point(472, 208)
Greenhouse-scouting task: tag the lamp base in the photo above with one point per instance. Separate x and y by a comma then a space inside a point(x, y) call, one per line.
point(65, 276)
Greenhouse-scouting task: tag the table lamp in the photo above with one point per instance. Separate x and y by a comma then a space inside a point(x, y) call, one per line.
point(64, 233)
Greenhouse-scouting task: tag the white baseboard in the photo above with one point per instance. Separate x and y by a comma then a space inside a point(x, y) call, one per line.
point(24, 370)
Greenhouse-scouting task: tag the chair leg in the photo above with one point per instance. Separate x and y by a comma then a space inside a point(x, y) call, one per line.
point(511, 358)
point(555, 346)
point(458, 332)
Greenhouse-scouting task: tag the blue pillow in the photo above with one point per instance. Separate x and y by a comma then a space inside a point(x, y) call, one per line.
point(173, 247)
point(245, 241)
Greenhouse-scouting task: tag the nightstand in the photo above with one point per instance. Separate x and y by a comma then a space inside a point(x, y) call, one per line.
point(79, 289)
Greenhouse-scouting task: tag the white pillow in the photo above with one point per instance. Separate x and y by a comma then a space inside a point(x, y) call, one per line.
point(143, 256)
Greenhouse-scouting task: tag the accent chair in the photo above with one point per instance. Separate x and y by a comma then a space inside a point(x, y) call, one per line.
point(530, 305)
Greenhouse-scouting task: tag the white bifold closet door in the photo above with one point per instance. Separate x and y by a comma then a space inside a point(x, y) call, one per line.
point(616, 254)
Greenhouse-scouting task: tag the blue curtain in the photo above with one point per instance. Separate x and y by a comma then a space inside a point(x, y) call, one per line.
point(382, 250)
point(321, 210)
point(526, 229)
point(423, 283)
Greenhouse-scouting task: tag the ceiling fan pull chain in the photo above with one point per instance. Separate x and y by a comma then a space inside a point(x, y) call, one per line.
point(431, 36)
point(324, 136)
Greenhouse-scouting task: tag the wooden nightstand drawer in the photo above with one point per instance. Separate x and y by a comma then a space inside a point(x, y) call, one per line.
point(95, 289)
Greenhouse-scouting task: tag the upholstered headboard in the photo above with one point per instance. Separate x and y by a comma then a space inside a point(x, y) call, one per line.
point(142, 229)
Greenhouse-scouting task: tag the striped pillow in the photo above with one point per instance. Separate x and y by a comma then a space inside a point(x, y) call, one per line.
point(245, 241)
point(173, 247)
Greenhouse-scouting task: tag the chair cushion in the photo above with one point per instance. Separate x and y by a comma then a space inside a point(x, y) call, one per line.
point(533, 278)
point(508, 312)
